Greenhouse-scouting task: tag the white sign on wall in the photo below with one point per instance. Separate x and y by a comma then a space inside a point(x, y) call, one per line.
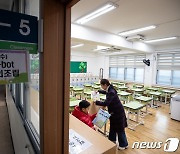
point(13, 66)
point(77, 143)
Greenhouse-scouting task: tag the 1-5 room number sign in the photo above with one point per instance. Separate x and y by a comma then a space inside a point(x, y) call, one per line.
point(18, 31)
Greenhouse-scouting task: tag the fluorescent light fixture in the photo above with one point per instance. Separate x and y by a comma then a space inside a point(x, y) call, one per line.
point(78, 45)
point(137, 30)
point(102, 10)
point(162, 39)
point(100, 47)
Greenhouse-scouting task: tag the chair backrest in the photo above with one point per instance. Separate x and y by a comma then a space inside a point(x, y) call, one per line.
point(134, 86)
point(131, 98)
point(73, 98)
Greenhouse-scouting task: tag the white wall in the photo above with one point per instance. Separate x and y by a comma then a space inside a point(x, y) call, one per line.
point(94, 61)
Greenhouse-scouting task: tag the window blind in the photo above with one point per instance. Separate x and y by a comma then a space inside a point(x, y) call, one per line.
point(167, 61)
point(130, 61)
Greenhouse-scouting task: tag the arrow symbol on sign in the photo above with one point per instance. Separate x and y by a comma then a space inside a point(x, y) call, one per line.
point(5, 24)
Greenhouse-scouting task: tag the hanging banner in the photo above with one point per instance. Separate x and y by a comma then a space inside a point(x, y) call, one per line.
point(18, 31)
point(13, 66)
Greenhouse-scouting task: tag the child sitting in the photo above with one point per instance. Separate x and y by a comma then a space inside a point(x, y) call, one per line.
point(81, 112)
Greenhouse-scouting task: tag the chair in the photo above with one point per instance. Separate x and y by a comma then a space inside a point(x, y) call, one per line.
point(162, 96)
point(146, 91)
point(71, 108)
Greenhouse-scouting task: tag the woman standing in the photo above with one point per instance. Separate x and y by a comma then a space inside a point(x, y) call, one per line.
point(118, 120)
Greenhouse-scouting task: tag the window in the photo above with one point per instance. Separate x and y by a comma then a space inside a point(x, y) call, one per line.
point(168, 69)
point(120, 73)
point(127, 67)
point(33, 92)
point(139, 74)
point(164, 77)
point(176, 78)
point(112, 72)
point(22, 94)
point(130, 74)
point(14, 91)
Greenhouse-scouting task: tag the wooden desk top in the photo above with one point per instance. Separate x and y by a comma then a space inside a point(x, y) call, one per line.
point(100, 144)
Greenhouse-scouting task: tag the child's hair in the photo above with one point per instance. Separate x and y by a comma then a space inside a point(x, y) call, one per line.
point(105, 81)
point(83, 104)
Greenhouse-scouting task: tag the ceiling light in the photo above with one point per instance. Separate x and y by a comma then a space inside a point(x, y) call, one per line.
point(162, 39)
point(78, 45)
point(100, 47)
point(102, 10)
point(126, 33)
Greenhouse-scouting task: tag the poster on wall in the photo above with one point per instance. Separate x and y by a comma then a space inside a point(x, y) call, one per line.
point(78, 67)
point(13, 66)
point(77, 143)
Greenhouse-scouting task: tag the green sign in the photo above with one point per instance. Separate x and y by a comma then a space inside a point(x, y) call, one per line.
point(78, 67)
point(11, 45)
point(13, 66)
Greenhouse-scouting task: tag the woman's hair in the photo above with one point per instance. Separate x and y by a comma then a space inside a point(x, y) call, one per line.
point(83, 104)
point(105, 81)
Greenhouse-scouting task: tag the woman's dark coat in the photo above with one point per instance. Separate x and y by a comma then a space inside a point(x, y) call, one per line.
point(118, 119)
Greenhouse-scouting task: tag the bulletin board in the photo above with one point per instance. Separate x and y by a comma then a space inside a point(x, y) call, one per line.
point(78, 67)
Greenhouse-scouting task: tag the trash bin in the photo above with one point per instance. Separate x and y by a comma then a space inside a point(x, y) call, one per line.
point(175, 107)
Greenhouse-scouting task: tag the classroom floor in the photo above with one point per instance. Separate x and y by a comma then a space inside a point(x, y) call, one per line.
point(157, 127)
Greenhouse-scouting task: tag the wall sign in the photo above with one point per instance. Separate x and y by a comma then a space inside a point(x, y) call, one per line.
point(18, 31)
point(13, 66)
point(77, 143)
point(78, 67)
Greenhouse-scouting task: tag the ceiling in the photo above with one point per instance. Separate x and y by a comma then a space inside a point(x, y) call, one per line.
point(130, 14)
point(133, 14)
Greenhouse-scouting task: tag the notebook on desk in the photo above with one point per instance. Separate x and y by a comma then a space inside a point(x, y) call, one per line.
point(101, 118)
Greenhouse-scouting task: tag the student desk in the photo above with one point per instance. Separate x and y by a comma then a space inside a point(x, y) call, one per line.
point(87, 86)
point(102, 97)
point(145, 100)
point(78, 91)
point(154, 94)
point(135, 107)
point(87, 94)
point(139, 86)
point(168, 92)
point(124, 95)
point(121, 84)
point(114, 82)
point(116, 86)
point(138, 91)
point(122, 88)
point(97, 83)
point(71, 89)
point(96, 87)
point(152, 89)
point(74, 103)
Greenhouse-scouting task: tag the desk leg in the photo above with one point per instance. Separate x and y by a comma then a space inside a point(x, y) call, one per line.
point(165, 98)
point(105, 129)
point(137, 116)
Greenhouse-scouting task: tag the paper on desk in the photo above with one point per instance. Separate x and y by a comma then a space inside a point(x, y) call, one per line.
point(95, 96)
point(77, 143)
